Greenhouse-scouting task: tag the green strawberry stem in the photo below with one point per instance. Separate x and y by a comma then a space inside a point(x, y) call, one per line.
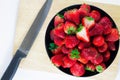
point(60, 15)
point(88, 69)
point(80, 28)
point(89, 18)
point(71, 30)
point(99, 69)
point(75, 54)
point(52, 46)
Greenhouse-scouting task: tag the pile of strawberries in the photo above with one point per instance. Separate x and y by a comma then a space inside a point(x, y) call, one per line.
point(82, 40)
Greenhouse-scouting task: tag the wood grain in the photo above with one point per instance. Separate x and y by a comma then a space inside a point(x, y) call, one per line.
point(37, 58)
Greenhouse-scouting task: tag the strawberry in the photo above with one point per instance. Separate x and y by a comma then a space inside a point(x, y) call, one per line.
point(103, 48)
point(83, 45)
point(71, 41)
point(58, 20)
point(54, 48)
point(96, 30)
point(84, 10)
point(82, 59)
point(89, 53)
point(58, 41)
point(105, 21)
point(82, 34)
point(95, 15)
point(73, 16)
point(86, 7)
point(82, 13)
point(67, 62)
point(70, 28)
point(106, 56)
point(101, 67)
point(77, 69)
point(90, 67)
point(88, 22)
point(59, 31)
point(107, 29)
point(113, 36)
point(97, 59)
point(74, 54)
point(57, 59)
point(111, 46)
point(66, 50)
point(98, 41)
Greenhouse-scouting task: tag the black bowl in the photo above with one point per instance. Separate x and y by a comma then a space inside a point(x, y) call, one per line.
point(51, 26)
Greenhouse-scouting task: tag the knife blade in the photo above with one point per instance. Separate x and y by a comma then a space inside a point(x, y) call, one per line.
point(25, 46)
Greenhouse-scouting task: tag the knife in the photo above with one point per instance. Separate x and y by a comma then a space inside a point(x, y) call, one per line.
point(25, 46)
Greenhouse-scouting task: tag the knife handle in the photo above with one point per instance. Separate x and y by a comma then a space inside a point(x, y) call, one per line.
point(10, 71)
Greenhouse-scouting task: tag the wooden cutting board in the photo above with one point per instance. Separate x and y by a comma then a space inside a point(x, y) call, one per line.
point(37, 58)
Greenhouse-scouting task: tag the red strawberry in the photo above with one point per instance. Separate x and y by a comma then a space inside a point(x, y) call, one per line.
point(77, 69)
point(73, 16)
point(90, 67)
point(113, 36)
point(74, 54)
point(83, 45)
point(101, 67)
point(95, 15)
point(82, 34)
point(88, 22)
point(82, 59)
point(103, 48)
point(84, 10)
point(57, 60)
point(98, 41)
point(71, 41)
point(97, 59)
point(105, 21)
point(106, 56)
point(86, 7)
point(58, 41)
point(58, 20)
point(96, 30)
point(107, 29)
point(89, 53)
point(54, 48)
point(82, 13)
point(67, 62)
point(70, 28)
point(66, 50)
point(59, 31)
point(111, 46)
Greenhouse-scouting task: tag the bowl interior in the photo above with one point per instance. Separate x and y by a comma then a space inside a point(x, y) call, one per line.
point(51, 26)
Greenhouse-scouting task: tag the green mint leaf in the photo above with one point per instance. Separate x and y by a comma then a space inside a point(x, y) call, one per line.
point(52, 46)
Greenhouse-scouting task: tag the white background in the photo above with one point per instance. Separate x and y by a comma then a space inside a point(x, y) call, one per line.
point(8, 15)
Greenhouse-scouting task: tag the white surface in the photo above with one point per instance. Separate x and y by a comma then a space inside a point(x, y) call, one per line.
point(8, 10)
point(8, 15)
